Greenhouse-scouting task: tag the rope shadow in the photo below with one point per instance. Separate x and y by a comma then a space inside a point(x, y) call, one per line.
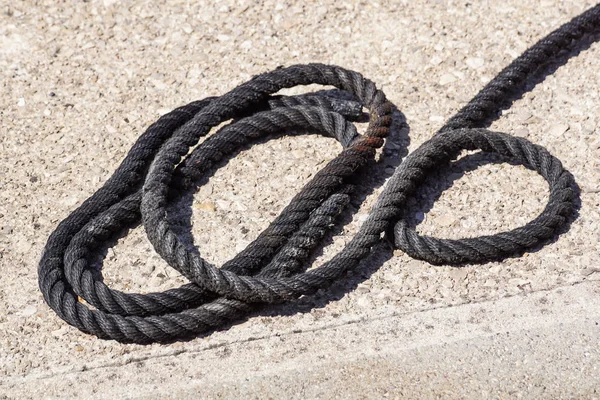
point(368, 179)
point(373, 262)
point(384, 252)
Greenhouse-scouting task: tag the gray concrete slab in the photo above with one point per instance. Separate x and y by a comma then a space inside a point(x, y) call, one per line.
point(540, 345)
point(80, 82)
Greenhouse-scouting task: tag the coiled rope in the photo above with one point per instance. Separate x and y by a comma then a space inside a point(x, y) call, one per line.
point(272, 269)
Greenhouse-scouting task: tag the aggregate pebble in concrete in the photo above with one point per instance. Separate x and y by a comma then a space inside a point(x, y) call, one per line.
point(82, 80)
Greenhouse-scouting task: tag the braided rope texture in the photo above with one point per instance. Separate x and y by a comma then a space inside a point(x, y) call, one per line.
point(166, 161)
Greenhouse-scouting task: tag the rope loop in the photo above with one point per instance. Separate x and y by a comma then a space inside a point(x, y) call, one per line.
point(445, 146)
point(158, 169)
point(167, 161)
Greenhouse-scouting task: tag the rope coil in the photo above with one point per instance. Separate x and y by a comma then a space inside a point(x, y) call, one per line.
point(160, 166)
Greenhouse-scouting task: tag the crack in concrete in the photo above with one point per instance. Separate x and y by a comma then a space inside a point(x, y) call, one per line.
point(175, 352)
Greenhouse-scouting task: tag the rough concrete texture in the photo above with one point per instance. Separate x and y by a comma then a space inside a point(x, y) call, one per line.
point(80, 82)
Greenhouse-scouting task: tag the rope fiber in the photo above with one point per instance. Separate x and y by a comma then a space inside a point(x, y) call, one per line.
point(167, 161)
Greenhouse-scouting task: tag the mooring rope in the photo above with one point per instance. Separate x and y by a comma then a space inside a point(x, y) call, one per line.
point(164, 163)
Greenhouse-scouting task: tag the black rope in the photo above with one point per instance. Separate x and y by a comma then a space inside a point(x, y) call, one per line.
point(160, 167)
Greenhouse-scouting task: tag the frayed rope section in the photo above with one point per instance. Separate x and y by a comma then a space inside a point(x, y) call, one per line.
point(272, 269)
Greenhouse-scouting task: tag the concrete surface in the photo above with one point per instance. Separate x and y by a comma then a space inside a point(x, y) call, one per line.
point(81, 80)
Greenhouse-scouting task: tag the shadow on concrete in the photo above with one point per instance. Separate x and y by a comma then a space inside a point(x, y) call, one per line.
point(372, 177)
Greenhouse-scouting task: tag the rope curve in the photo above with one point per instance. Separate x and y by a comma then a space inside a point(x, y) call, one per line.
point(478, 113)
point(445, 146)
point(166, 162)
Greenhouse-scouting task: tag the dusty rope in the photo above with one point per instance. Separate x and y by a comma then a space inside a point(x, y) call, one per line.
point(158, 168)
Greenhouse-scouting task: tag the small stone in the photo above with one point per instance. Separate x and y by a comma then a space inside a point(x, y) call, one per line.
point(241, 245)
point(522, 116)
point(458, 274)
point(446, 79)
point(436, 118)
point(363, 302)
point(533, 120)
point(414, 265)
point(446, 220)
point(431, 290)
point(239, 206)
point(205, 191)
point(223, 205)
point(21, 102)
point(412, 283)
point(59, 332)
point(522, 132)
point(490, 283)
point(27, 311)
point(588, 271)
point(79, 348)
point(70, 201)
point(495, 269)
point(517, 282)
point(160, 85)
point(594, 277)
point(435, 60)
point(207, 206)
point(559, 129)
point(23, 245)
point(360, 218)
point(155, 282)
point(362, 288)
point(298, 154)
point(475, 62)
point(588, 128)
point(288, 24)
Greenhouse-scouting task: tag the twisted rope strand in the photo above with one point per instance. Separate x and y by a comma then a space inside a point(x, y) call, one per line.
point(160, 167)
point(64, 270)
